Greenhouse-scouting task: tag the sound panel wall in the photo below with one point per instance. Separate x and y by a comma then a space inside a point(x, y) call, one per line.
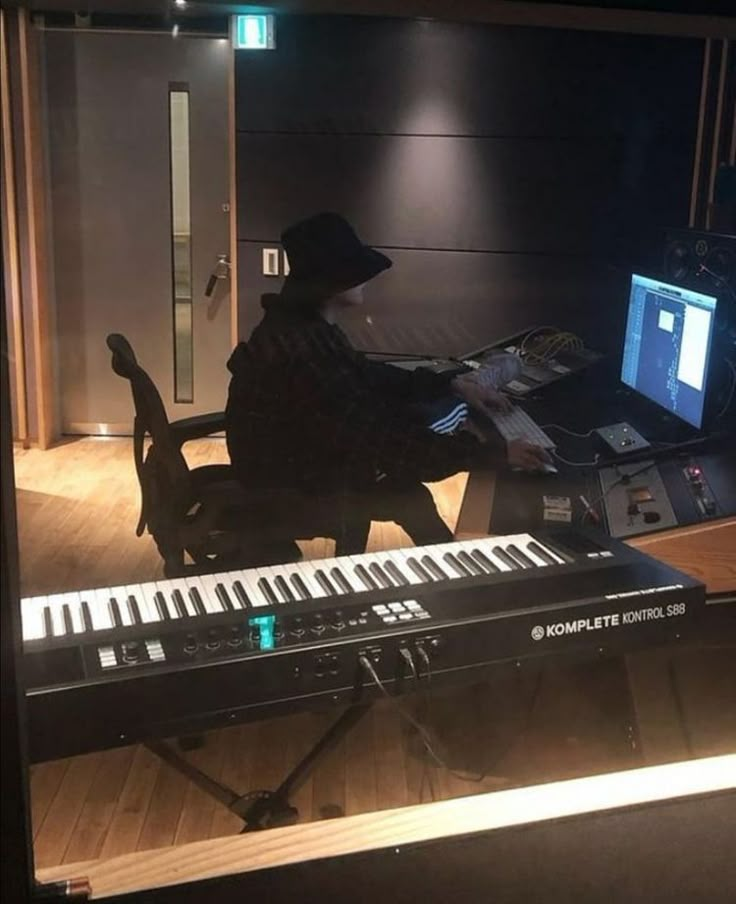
point(514, 175)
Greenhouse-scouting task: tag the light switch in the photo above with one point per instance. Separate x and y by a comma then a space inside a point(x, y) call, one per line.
point(270, 261)
point(286, 265)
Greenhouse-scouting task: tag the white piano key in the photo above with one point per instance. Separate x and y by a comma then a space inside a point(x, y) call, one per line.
point(270, 573)
point(249, 579)
point(400, 558)
point(31, 611)
point(227, 580)
point(89, 597)
point(532, 555)
point(148, 607)
point(165, 589)
point(57, 617)
point(306, 570)
point(74, 602)
point(136, 591)
point(121, 598)
point(549, 551)
point(486, 544)
point(101, 618)
point(181, 585)
point(210, 602)
point(326, 565)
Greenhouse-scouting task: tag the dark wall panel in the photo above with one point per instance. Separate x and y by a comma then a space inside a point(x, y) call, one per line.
point(539, 195)
point(557, 157)
point(390, 76)
point(451, 302)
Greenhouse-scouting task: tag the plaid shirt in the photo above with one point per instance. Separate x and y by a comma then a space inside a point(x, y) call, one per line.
point(306, 410)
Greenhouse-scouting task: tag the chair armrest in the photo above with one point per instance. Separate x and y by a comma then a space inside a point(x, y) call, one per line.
point(201, 425)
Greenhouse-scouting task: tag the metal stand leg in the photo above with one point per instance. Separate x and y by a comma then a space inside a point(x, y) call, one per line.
point(264, 809)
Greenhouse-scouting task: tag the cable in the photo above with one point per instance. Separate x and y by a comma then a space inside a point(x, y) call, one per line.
point(427, 701)
point(577, 464)
point(425, 734)
point(570, 432)
point(624, 478)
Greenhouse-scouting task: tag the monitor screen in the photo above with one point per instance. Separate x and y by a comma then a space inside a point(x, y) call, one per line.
point(667, 346)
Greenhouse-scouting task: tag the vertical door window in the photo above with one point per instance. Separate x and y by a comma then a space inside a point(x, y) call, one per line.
point(181, 243)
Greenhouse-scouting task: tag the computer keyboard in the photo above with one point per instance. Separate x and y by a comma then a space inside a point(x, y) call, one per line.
point(518, 425)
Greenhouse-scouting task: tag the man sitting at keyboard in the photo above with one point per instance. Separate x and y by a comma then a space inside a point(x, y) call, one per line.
point(307, 411)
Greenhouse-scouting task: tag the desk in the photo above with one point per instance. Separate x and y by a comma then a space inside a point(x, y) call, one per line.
point(706, 551)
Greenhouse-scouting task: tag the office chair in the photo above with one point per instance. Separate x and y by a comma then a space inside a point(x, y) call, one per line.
point(205, 512)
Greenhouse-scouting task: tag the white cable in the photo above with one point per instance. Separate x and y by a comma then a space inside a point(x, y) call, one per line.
point(571, 432)
point(577, 464)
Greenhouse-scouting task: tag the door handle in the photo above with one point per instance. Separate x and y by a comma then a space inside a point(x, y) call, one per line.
point(221, 271)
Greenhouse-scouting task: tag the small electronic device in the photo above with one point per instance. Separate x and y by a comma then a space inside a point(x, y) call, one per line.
point(667, 348)
point(622, 438)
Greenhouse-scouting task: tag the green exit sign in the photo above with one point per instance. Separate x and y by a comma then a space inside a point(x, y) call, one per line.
point(253, 32)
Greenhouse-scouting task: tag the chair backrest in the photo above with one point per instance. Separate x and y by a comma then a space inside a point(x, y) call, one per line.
point(165, 481)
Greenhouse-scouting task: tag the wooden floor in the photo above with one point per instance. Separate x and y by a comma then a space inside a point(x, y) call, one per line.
point(77, 510)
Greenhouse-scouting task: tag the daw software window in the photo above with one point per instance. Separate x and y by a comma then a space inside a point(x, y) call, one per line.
point(667, 346)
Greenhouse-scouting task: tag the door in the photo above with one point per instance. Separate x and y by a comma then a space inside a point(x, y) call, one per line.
point(138, 150)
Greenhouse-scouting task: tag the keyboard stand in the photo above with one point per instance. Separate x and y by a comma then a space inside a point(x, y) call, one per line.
point(264, 809)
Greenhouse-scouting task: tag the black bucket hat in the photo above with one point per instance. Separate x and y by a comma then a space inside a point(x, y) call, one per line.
point(326, 256)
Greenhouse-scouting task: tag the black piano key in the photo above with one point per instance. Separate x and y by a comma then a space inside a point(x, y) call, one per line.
point(383, 579)
point(433, 567)
point(117, 618)
point(284, 589)
point(160, 601)
point(324, 582)
point(520, 556)
point(87, 616)
point(542, 553)
point(456, 565)
point(484, 561)
point(469, 562)
point(48, 622)
point(396, 573)
point(67, 616)
point(135, 612)
point(197, 601)
point(559, 551)
point(365, 577)
point(267, 591)
point(178, 599)
point(419, 570)
point(341, 581)
point(301, 587)
point(505, 557)
point(224, 597)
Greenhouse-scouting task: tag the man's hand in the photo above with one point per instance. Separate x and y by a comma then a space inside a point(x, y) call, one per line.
point(521, 454)
point(481, 398)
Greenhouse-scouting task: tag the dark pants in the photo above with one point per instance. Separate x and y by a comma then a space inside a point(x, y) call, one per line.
point(410, 505)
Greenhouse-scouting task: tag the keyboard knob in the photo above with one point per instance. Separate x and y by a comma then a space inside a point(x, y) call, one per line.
point(190, 644)
point(131, 651)
point(235, 637)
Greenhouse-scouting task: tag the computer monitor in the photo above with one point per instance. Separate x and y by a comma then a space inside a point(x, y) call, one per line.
point(669, 331)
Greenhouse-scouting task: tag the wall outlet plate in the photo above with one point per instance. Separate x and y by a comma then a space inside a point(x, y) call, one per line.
point(270, 261)
point(622, 438)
